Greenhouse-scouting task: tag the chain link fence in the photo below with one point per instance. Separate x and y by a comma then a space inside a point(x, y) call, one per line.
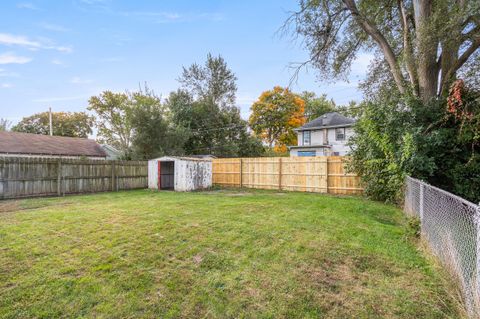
point(451, 227)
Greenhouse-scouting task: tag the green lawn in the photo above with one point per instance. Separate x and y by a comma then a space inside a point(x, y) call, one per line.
point(217, 254)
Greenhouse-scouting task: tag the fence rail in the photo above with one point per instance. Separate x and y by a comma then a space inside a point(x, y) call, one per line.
point(451, 227)
point(33, 177)
point(323, 174)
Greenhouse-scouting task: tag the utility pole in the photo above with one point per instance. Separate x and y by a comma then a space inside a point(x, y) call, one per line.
point(50, 120)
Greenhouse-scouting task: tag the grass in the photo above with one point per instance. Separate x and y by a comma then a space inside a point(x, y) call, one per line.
point(217, 254)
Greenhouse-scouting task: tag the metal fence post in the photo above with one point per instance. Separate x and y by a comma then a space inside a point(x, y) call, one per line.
point(422, 194)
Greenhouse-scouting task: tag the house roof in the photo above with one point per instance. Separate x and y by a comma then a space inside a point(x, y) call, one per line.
point(37, 144)
point(332, 119)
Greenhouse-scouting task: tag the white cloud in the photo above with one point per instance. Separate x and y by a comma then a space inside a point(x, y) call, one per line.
point(53, 27)
point(8, 39)
point(78, 80)
point(28, 6)
point(63, 49)
point(57, 62)
point(12, 40)
point(11, 58)
point(6, 85)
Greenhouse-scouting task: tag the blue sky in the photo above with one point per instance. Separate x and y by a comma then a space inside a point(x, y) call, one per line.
point(59, 53)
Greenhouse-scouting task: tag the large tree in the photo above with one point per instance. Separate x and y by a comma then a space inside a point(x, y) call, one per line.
point(213, 81)
point(210, 128)
point(424, 43)
point(274, 116)
point(205, 108)
point(154, 135)
point(73, 124)
point(113, 113)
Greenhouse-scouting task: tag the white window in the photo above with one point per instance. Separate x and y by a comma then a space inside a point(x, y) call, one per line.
point(306, 137)
point(340, 134)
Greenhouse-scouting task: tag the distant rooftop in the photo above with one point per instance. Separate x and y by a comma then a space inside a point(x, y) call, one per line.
point(332, 119)
point(37, 144)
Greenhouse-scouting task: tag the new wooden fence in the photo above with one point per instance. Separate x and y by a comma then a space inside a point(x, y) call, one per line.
point(323, 174)
point(32, 177)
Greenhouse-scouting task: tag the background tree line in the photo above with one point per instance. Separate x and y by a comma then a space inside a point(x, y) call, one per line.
point(200, 117)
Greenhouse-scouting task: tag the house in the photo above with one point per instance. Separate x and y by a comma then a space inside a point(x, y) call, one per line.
point(112, 152)
point(325, 135)
point(14, 144)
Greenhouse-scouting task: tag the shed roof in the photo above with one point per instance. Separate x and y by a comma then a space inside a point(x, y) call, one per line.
point(37, 144)
point(331, 119)
point(181, 158)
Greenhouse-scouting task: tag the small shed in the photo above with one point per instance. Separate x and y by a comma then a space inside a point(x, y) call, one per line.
point(179, 173)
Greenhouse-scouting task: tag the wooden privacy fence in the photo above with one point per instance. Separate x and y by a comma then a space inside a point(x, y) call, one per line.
point(322, 174)
point(31, 177)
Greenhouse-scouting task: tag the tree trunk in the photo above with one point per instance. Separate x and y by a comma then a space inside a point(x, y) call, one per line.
point(427, 45)
point(448, 60)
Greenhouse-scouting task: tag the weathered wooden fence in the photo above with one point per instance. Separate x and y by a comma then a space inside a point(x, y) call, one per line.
point(33, 177)
point(323, 174)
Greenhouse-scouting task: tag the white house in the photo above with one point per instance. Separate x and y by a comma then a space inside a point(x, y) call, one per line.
point(325, 135)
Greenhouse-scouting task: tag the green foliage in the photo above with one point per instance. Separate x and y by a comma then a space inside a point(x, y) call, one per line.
point(205, 109)
point(211, 129)
point(200, 118)
point(316, 106)
point(396, 136)
point(413, 228)
point(113, 119)
point(153, 135)
point(214, 81)
point(73, 124)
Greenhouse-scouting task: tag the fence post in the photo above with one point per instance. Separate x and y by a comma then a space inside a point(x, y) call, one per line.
point(280, 173)
point(241, 172)
point(59, 177)
point(422, 193)
point(326, 172)
point(113, 181)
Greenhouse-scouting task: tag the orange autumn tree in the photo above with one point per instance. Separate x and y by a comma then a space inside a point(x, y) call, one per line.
point(274, 116)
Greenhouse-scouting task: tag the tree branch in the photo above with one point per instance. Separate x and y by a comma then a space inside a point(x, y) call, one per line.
point(373, 31)
point(460, 61)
